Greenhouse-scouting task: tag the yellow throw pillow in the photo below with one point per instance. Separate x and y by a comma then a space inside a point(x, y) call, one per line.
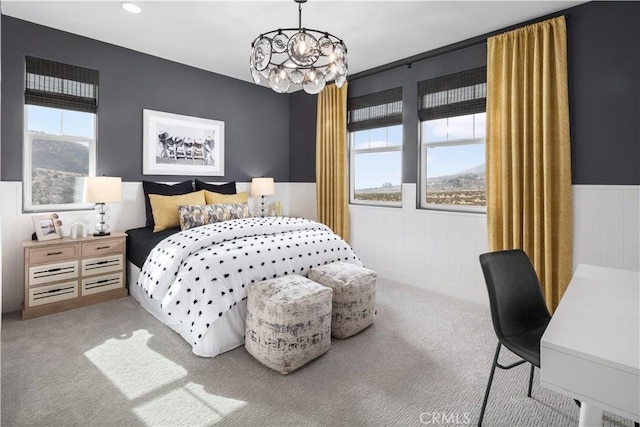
point(165, 208)
point(224, 199)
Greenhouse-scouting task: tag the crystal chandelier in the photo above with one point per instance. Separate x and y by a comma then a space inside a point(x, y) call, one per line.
point(298, 56)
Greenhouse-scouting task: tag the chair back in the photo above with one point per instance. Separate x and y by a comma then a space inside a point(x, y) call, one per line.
point(515, 297)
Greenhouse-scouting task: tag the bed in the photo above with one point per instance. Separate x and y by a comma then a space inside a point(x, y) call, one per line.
point(194, 280)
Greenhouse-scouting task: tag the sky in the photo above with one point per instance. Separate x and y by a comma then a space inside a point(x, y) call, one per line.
point(55, 121)
point(372, 170)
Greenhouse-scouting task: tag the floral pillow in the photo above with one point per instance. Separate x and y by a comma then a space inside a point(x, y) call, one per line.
point(198, 215)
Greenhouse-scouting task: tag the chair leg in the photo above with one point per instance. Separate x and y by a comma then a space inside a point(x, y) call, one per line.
point(530, 380)
point(486, 394)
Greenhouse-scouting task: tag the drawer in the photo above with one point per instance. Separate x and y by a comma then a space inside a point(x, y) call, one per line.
point(52, 293)
point(102, 247)
point(53, 254)
point(98, 284)
point(106, 264)
point(39, 274)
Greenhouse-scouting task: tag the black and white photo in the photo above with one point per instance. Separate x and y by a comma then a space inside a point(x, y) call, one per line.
point(181, 145)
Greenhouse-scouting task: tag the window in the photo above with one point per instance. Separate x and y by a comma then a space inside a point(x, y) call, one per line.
point(60, 142)
point(375, 148)
point(452, 140)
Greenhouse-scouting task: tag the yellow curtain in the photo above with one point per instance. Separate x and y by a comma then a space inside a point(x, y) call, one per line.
point(331, 160)
point(528, 150)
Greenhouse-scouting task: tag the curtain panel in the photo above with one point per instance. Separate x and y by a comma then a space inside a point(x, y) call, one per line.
point(528, 150)
point(331, 160)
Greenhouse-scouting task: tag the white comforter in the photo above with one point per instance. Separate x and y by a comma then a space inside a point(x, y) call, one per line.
point(200, 273)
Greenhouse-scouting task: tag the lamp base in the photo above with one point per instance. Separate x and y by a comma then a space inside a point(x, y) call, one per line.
point(102, 228)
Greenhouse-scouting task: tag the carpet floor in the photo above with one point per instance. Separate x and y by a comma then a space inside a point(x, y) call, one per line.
point(425, 361)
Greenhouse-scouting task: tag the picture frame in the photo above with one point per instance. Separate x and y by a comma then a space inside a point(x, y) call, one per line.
point(48, 227)
point(174, 144)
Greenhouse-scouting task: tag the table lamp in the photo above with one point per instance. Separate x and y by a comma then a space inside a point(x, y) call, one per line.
point(101, 190)
point(262, 187)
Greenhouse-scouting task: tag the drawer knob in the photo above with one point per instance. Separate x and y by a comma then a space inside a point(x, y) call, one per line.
point(54, 253)
point(103, 247)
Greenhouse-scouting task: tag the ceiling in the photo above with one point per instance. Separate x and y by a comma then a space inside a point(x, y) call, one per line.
point(216, 35)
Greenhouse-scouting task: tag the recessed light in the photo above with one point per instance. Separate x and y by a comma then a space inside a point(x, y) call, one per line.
point(130, 7)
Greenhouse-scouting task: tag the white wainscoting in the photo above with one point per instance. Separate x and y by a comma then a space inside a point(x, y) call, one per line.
point(429, 249)
point(439, 250)
point(18, 226)
point(606, 226)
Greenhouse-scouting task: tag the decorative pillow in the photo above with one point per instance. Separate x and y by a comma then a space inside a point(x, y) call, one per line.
point(165, 208)
point(228, 188)
point(222, 199)
point(196, 216)
point(163, 189)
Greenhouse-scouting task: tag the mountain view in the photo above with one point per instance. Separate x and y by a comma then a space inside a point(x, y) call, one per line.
point(463, 188)
point(385, 193)
point(57, 165)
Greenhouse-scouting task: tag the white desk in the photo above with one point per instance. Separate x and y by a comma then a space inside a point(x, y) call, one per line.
point(590, 350)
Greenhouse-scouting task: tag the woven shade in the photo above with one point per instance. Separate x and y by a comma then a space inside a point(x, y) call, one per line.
point(57, 85)
point(453, 95)
point(375, 110)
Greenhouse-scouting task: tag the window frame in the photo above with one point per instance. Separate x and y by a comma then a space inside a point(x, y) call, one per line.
point(352, 160)
point(376, 110)
point(422, 169)
point(27, 165)
point(446, 97)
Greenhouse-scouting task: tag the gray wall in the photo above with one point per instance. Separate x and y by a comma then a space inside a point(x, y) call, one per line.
point(272, 134)
point(302, 134)
point(408, 78)
point(256, 135)
point(604, 94)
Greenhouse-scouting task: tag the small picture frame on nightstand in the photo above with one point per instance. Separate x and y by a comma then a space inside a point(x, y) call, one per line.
point(48, 227)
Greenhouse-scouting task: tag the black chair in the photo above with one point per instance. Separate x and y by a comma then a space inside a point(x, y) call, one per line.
point(518, 310)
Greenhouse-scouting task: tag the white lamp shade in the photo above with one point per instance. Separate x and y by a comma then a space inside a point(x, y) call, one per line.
point(262, 187)
point(102, 189)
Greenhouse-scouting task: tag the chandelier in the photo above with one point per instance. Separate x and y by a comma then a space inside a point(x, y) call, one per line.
point(298, 56)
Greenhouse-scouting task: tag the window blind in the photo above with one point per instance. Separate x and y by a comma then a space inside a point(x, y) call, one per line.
point(378, 109)
point(453, 95)
point(58, 85)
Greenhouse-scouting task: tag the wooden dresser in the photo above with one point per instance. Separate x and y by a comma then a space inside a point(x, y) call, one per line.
point(68, 273)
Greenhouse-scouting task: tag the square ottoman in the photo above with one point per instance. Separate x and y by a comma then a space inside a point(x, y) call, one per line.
point(354, 296)
point(288, 322)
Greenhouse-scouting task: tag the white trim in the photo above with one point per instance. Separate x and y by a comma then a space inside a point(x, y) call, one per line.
point(27, 165)
point(352, 152)
point(606, 187)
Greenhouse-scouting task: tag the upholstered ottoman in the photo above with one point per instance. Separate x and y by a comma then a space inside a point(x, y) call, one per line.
point(288, 322)
point(354, 296)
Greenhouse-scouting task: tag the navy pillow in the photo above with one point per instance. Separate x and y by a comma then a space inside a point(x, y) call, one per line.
point(164, 190)
point(228, 188)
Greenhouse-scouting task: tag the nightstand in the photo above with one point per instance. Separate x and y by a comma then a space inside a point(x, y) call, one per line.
point(69, 273)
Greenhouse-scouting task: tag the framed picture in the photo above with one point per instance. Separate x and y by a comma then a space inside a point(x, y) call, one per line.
point(48, 227)
point(181, 145)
